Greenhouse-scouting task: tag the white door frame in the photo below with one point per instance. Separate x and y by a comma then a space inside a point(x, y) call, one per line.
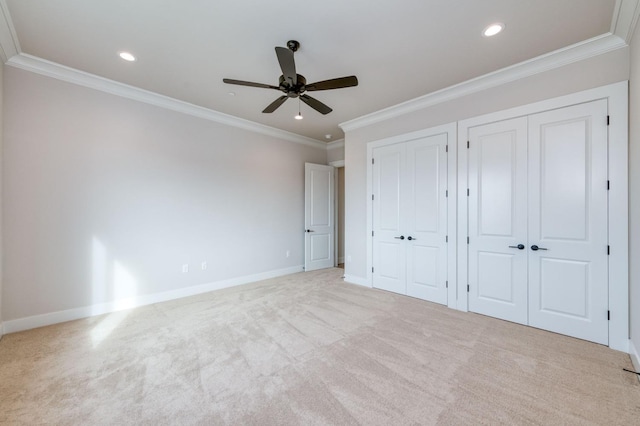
point(336, 165)
point(617, 98)
point(450, 129)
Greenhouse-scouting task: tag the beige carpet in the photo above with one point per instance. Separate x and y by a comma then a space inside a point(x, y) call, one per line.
point(308, 349)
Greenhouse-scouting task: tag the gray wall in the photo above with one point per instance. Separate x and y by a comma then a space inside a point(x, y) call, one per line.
point(634, 190)
point(1, 173)
point(604, 69)
point(106, 198)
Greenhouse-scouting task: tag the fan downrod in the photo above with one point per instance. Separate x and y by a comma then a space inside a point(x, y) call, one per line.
point(293, 45)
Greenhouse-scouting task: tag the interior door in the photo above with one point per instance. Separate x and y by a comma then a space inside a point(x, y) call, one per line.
point(568, 273)
point(318, 217)
point(389, 248)
point(426, 218)
point(498, 220)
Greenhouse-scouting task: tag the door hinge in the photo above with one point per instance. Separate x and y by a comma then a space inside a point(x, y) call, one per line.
point(467, 288)
point(373, 161)
point(608, 120)
point(446, 148)
point(467, 192)
point(467, 144)
point(467, 240)
point(372, 233)
point(372, 269)
point(372, 197)
point(446, 193)
point(608, 250)
point(446, 283)
point(608, 315)
point(608, 185)
point(446, 239)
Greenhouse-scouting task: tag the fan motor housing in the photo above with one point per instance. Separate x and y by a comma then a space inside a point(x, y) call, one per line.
point(293, 91)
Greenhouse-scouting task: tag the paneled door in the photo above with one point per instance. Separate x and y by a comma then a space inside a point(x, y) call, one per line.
point(568, 272)
point(538, 205)
point(410, 218)
point(426, 218)
point(318, 217)
point(389, 203)
point(498, 220)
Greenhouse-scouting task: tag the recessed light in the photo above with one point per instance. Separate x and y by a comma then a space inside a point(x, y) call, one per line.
point(493, 29)
point(127, 56)
point(232, 93)
point(327, 136)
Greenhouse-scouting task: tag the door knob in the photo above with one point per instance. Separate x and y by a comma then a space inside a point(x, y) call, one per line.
point(401, 237)
point(536, 248)
point(411, 238)
point(519, 247)
point(309, 230)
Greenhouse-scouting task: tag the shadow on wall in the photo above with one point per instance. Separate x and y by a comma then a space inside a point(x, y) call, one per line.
point(110, 280)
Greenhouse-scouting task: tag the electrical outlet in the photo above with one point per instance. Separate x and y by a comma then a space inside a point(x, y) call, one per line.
point(288, 253)
point(204, 265)
point(185, 268)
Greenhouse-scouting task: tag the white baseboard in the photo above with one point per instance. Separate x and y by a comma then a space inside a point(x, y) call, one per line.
point(357, 280)
point(635, 357)
point(35, 321)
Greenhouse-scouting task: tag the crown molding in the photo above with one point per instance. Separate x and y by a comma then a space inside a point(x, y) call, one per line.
point(9, 45)
point(81, 78)
point(625, 19)
point(556, 59)
point(338, 143)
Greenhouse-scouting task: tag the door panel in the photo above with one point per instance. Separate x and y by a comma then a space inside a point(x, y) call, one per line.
point(319, 218)
point(568, 282)
point(426, 183)
point(498, 219)
point(388, 251)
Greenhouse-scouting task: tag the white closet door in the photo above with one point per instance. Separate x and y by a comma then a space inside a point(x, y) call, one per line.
point(498, 220)
point(426, 218)
point(319, 217)
point(389, 257)
point(568, 275)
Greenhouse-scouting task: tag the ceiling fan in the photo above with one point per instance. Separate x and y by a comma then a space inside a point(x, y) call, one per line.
point(294, 85)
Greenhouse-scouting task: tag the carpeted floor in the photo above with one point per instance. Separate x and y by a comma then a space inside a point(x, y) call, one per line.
point(308, 349)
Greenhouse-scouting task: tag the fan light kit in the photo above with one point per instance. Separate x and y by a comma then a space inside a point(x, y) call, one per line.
point(293, 85)
point(127, 56)
point(493, 29)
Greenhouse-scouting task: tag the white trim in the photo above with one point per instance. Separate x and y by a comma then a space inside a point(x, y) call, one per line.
point(337, 163)
point(617, 96)
point(134, 302)
point(9, 45)
point(635, 357)
point(353, 279)
point(450, 130)
point(339, 143)
point(625, 18)
point(556, 59)
point(81, 78)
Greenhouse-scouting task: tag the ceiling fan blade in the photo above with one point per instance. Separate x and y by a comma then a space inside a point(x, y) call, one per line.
point(248, 83)
point(287, 64)
point(315, 104)
point(334, 83)
point(275, 104)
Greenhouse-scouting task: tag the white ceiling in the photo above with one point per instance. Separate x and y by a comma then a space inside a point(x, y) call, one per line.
point(399, 50)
